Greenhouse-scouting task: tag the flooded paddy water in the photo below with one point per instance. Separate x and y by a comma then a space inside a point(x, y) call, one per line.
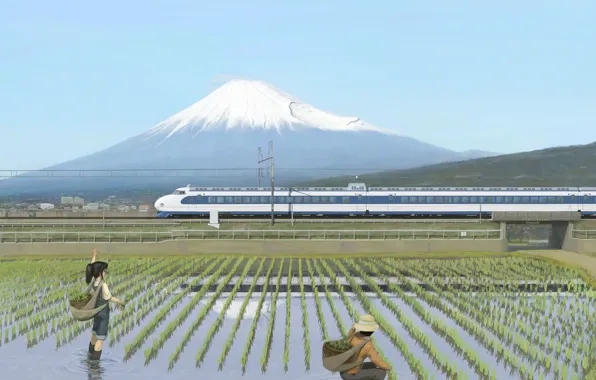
point(227, 318)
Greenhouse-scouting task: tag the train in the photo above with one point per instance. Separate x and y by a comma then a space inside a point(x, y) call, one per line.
point(359, 200)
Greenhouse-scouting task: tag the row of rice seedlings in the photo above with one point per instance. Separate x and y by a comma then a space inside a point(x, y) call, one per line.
point(286, 358)
point(214, 329)
point(318, 305)
point(421, 338)
point(270, 330)
point(207, 308)
point(573, 349)
point(576, 353)
point(354, 314)
point(507, 331)
point(228, 345)
point(253, 328)
point(305, 324)
point(437, 325)
point(152, 351)
point(454, 311)
point(142, 298)
point(526, 327)
point(330, 302)
point(131, 348)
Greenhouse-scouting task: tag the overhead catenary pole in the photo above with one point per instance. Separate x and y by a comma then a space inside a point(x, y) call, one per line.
point(271, 176)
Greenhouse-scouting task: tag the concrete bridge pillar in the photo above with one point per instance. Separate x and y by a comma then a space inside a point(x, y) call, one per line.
point(557, 235)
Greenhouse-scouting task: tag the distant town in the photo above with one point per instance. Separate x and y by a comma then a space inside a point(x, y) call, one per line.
point(78, 204)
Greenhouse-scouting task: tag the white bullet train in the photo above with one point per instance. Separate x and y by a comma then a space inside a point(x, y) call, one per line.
point(356, 199)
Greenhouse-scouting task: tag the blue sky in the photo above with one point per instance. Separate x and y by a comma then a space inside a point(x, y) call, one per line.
point(77, 77)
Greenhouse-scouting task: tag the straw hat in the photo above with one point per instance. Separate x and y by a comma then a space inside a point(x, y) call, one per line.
point(366, 323)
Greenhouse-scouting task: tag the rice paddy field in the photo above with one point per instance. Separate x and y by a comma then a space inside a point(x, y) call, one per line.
point(253, 318)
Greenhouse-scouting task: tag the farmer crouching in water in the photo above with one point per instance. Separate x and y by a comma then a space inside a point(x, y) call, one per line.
point(377, 368)
point(98, 270)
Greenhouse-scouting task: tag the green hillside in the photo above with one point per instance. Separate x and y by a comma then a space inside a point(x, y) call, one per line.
point(562, 166)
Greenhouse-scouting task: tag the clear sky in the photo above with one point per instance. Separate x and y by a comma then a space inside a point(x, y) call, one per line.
point(79, 76)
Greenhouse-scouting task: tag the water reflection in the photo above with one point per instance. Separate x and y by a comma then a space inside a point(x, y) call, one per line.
point(95, 369)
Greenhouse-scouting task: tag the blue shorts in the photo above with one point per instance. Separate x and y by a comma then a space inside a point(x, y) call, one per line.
point(100, 325)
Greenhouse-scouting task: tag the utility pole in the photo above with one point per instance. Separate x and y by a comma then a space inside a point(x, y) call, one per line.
point(271, 176)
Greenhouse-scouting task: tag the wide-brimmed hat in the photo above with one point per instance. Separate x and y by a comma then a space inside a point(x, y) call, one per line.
point(366, 323)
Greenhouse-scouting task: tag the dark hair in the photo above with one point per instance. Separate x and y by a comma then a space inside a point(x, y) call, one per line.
point(366, 333)
point(95, 270)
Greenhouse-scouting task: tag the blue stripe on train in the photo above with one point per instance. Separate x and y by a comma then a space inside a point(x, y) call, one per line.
point(165, 214)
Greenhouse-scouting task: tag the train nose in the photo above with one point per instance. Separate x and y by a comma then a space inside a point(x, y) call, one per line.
point(159, 203)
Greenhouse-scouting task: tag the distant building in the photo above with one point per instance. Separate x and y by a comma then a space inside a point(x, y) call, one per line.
point(91, 206)
point(143, 208)
point(46, 206)
point(66, 200)
point(78, 201)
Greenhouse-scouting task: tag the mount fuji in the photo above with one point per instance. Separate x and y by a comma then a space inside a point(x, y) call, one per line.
point(224, 129)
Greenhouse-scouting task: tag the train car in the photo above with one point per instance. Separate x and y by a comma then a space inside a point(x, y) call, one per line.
point(358, 200)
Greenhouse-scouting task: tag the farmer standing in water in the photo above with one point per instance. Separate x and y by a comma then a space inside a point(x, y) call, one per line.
point(377, 368)
point(98, 270)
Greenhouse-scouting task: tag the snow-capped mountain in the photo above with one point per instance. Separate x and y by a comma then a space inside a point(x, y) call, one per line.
point(224, 130)
point(254, 105)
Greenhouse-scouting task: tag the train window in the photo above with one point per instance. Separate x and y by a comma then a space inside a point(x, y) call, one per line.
point(430, 199)
point(421, 199)
point(413, 199)
point(404, 199)
point(211, 199)
point(560, 199)
point(482, 199)
point(533, 199)
point(245, 199)
point(525, 199)
point(473, 199)
point(346, 199)
point(324, 199)
point(332, 199)
point(542, 199)
point(237, 199)
point(307, 199)
point(455, 199)
point(490, 199)
point(254, 199)
point(499, 199)
point(465, 199)
point(508, 199)
point(220, 200)
point(439, 199)
point(517, 199)
point(297, 199)
point(264, 200)
point(316, 200)
point(551, 199)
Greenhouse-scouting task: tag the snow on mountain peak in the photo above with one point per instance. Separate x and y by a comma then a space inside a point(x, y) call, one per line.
point(246, 104)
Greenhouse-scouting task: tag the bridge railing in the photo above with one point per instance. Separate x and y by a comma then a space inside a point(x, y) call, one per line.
point(584, 234)
point(310, 234)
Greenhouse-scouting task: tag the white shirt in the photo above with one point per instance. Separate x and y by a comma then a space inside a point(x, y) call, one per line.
point(105, 290)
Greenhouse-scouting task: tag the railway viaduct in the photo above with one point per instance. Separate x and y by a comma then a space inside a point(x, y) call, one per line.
point(562, 228)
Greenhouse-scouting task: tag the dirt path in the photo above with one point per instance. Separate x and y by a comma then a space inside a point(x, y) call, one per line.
point(575, 259)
